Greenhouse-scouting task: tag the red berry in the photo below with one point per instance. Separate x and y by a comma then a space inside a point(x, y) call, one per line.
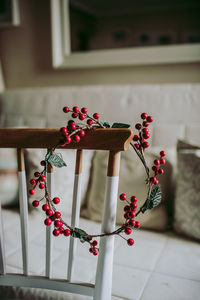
point(145, 145)
point(32, 192)
point(137, 146)
point(146, 136)
point(138, 126)
point(35, 203)
point(160, 171)
point(58, 223)
point(57, 215)
point(94, 243)
point(134, 205)
point(45, 207)
point(154, 168)
point(47, 222)
point(134, 199)
point(156, 182)
point(74, 115)
point(162, 161)
point(126, 208)
point(56, 232)
point(122, 197)
point(84, 110)
point(95, 252)
point(157, 162)
point(162, 153)
point(132, 214)
point(128, 230)
point(56, 200)
point(137, 224)
point(43, 178)
point(73, 127)
point(37, 174)
point(91, 250)
point(82, 133)
point(96, 116)
point(153, 179)
point(33, 181)
point(41, 186)
point(67, 232)
point(42, 163)
point(49, 212)
point(126, 215)
point(145, 124)
point(66, 109)
point(89, 122)
point(130, 242)
point(132, 222)
point(145, 130)
point(143, 116)
point(77, 138)
point(63, 130)
point(81, 117)
point(76, 109)
point(149, 119)
point(135, 138)
point(68, 139)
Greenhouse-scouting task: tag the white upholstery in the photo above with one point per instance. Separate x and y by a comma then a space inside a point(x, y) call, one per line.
point(175, 108)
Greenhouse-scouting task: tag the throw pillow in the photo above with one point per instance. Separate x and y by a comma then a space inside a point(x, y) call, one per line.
point(187, 200)
point(131, 181)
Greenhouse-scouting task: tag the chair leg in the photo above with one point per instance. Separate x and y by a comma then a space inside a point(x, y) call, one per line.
point(103, 282)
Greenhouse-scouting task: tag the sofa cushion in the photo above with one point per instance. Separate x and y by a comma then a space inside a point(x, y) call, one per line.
point(187, 200)
point(132, 182)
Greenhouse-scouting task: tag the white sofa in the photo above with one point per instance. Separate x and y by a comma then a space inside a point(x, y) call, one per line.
point(161, 265)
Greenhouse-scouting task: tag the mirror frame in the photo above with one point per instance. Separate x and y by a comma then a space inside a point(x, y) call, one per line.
point(63, 58)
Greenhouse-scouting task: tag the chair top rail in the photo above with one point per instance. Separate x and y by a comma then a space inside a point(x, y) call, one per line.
point(112, 139)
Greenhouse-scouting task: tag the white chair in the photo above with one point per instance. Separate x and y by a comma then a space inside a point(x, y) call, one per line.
point(112, 140)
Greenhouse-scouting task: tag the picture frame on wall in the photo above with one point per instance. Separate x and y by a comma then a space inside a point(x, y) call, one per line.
point(9, 13)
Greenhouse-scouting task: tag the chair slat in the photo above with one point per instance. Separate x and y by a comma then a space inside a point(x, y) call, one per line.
point(75, 213)
point(23, 204)
point(49, 245)
point(2, 250)
point(103, 282)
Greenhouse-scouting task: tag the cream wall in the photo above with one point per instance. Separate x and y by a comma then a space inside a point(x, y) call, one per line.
point(25, 53)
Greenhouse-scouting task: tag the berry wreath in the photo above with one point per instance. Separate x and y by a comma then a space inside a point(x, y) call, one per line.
point(76, 132)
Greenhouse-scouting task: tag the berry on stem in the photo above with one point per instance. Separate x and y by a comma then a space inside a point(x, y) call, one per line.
point(134, 199)
point(82, 133)
point(66, 109)
point(89, 122)
point(149, 119)
point(41, 186)
point(162, 161)
point(49, 212)
point(143, 116)
point(56, 200)
point(130, 242)
point(81, 117)
point(76, 109)
point(96, 116)
point(37, 174)
point(138, 126)
point(35, 203)
point(43, 178)
point(32, 192)
point(157, 162)
point(33, 181)
point(77, 138)
point(57, 215)
point(67, 232)
point(145, 124)
point(42, 163)
point(145, 145)
point(45, 207)
point(68, 139)
point(137, 224)
point(162, 153)
point(128, 230)
point(122, 196)
point(160, 171)
point(84, 110)
point(47, 222)
point(135, 138)
point(56, 232)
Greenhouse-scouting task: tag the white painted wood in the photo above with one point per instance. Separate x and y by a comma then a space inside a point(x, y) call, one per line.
point(56, 30)
point(23, 204)
point(74, 223)
point(63, 58)
point(15, 13)
point(49, 229)
point(103, 282)
point(66, 25)
point(2, 250)
point(44, 283)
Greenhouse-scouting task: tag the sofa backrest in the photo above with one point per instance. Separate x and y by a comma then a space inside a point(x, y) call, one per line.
point(175, 108)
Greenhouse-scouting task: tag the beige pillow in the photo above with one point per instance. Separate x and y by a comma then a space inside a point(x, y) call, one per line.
point(132, 182)
point(187, 200)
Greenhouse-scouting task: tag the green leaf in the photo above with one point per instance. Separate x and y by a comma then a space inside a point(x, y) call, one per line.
point(80, 234)
point(120, 125)
point(56, 160)
point(154, 198)
point(105, 124)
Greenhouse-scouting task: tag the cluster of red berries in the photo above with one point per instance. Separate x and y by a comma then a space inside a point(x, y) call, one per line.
point(156, 167)
point(75, 130)
point(53, 216)
point(129, 215)
point(39, 180)
point(143, 132)
point(93, 249)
